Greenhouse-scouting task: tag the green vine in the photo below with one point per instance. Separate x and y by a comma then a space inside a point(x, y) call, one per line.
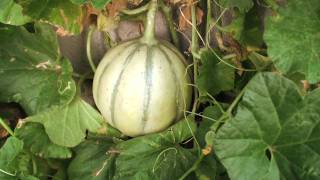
point(92, 65)
point(193, 167)
point(194, 48)
point(167, 11)
point(208, 21)
point(136, 11)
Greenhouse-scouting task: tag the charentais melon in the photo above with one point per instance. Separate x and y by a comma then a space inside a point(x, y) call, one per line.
point(142, 88)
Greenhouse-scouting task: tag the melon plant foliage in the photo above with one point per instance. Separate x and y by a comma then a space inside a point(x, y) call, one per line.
point(255, 114)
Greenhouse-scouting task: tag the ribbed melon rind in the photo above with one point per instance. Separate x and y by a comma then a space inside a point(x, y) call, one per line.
point(141, 88)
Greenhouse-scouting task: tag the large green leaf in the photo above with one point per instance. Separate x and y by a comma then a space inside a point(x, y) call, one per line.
point(99, 4)
point(28, 167)
point(242, 5)
point(67, 125)
point(8, 153)
point(274, 134)
point(215, 76)
point(61, 13)
point(16, 163)
point(11, 13)
point(37, 141)
point(293, 38)
point(156, 156)
point(210, 115)
point(31, 70)
point(93, 161)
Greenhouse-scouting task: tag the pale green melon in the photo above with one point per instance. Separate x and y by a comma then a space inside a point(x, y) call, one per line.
point(141, 88)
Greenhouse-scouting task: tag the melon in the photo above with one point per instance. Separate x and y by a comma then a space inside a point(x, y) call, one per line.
point(142, 86)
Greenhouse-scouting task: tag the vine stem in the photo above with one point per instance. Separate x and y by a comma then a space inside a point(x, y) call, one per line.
point(228, 114)
point(149, 37)
point(209, 19)
point(193, 167)
point(167, 11)
point(194, 48)
point(92, 65)
point(34, 165)
point(7, 173)
point(6, 127)
point(135, 11)
point(80, 82)
point(76, 75)
point(235, 101)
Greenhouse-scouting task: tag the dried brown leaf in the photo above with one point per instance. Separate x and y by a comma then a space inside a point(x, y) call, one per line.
point(185, 17)
point(62, 32)
point(135, 2)
point(92, 10)
point(305, 84)
point(107, 23)
point(3, 133)
point(175, 1)
point(116, 6)
point(206, 151)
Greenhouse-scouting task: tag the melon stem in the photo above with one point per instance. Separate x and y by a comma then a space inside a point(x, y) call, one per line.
point(149, 33)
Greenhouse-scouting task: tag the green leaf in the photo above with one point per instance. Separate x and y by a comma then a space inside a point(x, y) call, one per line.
point(30, 178)
point(11, 13)
point(31, 71)
point(38, 142)
point(29, 167)
point(8, 153)
point(99, 4)
point(293, 38)
point(242, 5)
point(93, 160)
point(67, 125)
point(79, 2)
point(210, 115)
point(259, 61)
point(60, 13)
point(60, 175)
point(275, 132)
point(107, 130)
point(16, 163)
point(207, 169)
point(215, 76)
point(22, 164)
point(60, 168)
point(156, 156)
point(247, 28)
